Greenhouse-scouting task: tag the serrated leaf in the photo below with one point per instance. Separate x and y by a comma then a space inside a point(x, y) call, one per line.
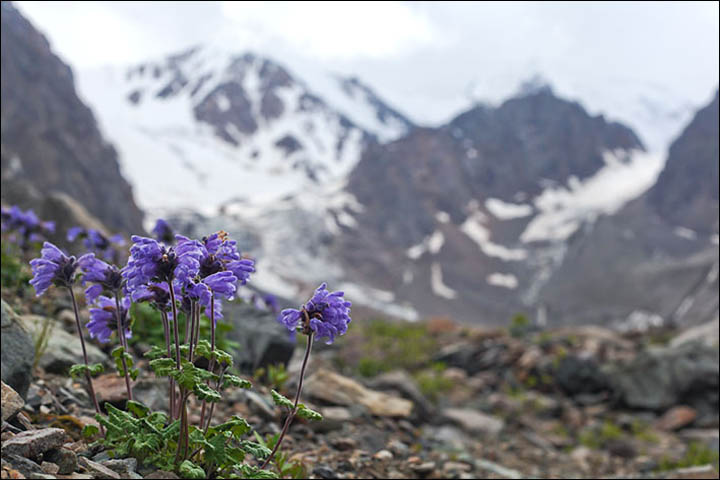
point(96, 369)
point(235, 381)
point(134, 373)
point(258, 451)
point(249, 471)
point(163, 366)
point(203, 392)
point(189, 470)
point(137, 408)
point(155, 352)
point(236, 425)
point(78, 370)
point(281, 400)
point(308, 414)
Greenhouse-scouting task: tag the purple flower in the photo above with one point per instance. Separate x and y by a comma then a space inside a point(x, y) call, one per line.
point(329, 315)
point(53, 268)
point(163, 232)
point(220, 254)
point(27, 224)
point(106, 277)
point(95, 241)
point(155, 293)
point(153, 261)
point(222, 284)
point(103, 318)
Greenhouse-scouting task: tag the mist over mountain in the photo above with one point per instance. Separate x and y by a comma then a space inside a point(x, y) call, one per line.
point(537, 204)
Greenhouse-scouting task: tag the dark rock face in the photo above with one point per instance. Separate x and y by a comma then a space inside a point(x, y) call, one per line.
point(501, 152)
point(17, 352)
point(50, 139)
point(686, 192)
point(635, 260)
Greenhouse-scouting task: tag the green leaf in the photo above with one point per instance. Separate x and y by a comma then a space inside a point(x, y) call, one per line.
point(235, 381)
point(137, 409)
point(163, 366)
point(223, 357)
point(258, 451)
point(308, 414)
point(249, 471)
point(90, 431)
point(236, 425)
point(155, 352)
point(134, 373)
point(78, 370)
point(281, 400)
point(189, 470)
point(203, 392)
point(215, 451)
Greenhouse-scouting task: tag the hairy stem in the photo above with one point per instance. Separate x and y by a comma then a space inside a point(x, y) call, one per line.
point(291, 415)
point(174, 413)
point(166, 329)
point(212, 405)
point(212, 350)
point(123, 343)
point(193, 320)
point(85, 357)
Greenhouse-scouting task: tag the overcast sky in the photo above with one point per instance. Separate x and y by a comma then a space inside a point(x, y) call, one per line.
point(429, 59)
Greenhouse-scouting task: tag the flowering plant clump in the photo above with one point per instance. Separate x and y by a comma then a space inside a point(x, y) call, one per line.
point(26, 227)
point(96, 242)
point(182, 279)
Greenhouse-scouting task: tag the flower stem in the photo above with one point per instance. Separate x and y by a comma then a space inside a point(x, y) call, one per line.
point(212, 350)
point(193, 319)
point(166, 329)
point(123, 343)
point(85, 357)
point(174, 413)
point(291, 415)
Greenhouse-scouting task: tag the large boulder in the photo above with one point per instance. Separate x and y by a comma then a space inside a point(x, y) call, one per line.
point(17, 352)
point(63, 349)
point(263, 341)
point(660, 378)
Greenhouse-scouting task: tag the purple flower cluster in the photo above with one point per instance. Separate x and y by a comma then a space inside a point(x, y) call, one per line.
point(54, 268)
point(29, 227)
point(327, 314)
point(95, 241)
point(104, 277)
point(103, 318)
point(163, 232)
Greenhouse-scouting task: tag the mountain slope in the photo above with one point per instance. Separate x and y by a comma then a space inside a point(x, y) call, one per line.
point(657, 259)
point(50, 141)
point(221, 127)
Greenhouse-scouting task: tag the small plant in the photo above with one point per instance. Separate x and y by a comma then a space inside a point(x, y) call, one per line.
point(432, 383)
point(519, 325)
point(697, 454)
point(172, 285)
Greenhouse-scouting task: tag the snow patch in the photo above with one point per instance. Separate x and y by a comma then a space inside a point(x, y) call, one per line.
point(473, 227)
point(507, 211)
point(436, 282)
point(442, 217)
point(625, 175)
point(685, 233)
point(505, 280)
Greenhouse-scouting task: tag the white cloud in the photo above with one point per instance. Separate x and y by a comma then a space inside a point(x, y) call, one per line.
point(338, 30)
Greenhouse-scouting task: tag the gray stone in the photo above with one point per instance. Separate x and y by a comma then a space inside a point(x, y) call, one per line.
point(11, 402)
point(474, 421)
point(263, 341)
point(660, 378)
point(123, 466)
point(63, 349)
point(97, 470)
point(404, 384)
point(23, 465)
point(16, 351)
point(32, 443)
point(577, 376)
point(161, 474)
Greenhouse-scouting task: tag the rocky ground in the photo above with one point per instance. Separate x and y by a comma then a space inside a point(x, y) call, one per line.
point(429, 400)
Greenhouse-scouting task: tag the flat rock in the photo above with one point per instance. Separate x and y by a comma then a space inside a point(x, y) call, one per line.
point(336, 389)
point(32, 443)
point(405, 385)
point(474, 421)
point(11, 402)
point(17, 351)
point(63, 349)
point(676, 418)
point(97, 470)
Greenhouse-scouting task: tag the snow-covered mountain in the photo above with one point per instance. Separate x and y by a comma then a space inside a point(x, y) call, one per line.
point(207, 126)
